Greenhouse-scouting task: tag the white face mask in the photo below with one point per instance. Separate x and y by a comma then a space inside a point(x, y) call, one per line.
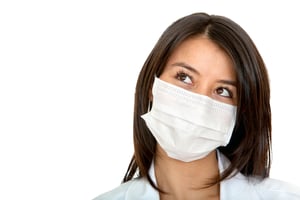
point(188, 126)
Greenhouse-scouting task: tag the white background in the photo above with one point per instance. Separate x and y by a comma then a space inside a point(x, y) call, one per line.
point(67, 77)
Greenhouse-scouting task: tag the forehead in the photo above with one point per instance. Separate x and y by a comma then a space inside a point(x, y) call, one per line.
point(204, 55)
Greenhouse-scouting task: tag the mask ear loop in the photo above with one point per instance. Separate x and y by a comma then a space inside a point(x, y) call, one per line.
point(149, 106)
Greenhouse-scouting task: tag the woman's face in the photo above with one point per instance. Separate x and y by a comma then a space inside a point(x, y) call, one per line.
point(200, 66)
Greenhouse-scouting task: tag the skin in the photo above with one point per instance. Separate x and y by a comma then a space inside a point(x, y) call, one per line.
point(200, 66)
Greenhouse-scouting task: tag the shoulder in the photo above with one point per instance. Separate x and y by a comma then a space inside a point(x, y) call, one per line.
point(136, 189)
point(117, 193)
point(276, 189)
point(241, 187)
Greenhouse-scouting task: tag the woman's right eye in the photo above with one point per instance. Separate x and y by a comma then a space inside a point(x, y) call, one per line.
point(184, 77)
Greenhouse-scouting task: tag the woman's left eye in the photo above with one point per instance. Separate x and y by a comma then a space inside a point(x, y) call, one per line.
point(224, 92)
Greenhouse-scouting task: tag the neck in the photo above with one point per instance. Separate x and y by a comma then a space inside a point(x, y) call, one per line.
point(186, 180)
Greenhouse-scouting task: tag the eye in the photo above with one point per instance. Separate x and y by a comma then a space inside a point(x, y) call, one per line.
point(224, 92)
point(184, 77)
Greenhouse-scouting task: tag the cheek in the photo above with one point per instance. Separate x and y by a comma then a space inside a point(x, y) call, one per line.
point(150, 96)
point(234, 101)
point(224, 100)
point(166, 76)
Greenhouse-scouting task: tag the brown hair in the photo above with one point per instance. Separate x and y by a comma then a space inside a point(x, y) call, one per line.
point(250, 146)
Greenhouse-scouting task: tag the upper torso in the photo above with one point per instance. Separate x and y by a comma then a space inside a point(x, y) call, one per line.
point(238, 187)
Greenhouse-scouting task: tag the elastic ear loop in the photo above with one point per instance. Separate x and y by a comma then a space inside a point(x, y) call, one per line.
point(149, 106)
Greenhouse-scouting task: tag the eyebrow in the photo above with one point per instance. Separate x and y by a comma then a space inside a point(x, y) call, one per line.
point(190, 68)
point(228, 82)
point(186, 66)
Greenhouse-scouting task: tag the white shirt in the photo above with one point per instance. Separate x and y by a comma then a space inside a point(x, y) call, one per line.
point(235, 188)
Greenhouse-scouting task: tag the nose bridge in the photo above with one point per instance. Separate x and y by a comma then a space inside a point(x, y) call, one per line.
point(203, 88)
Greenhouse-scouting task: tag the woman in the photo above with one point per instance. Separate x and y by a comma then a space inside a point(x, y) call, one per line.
point(202, 118)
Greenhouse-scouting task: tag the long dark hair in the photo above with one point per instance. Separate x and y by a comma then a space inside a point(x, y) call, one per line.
point(249, 149)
